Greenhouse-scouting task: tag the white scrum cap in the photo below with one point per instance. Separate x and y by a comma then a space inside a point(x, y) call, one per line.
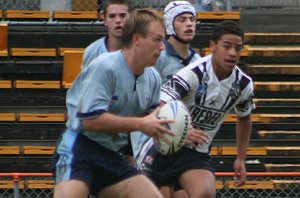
point(172, 10)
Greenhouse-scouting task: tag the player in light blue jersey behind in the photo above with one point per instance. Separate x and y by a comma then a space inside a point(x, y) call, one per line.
point(109, 99)
point(115, 13)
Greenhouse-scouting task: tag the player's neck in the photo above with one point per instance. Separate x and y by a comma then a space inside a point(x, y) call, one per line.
point(134, 62)
point(180, 48)
point(219, 72)
point(114, 43)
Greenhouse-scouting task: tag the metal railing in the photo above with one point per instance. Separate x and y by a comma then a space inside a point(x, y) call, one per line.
point(259, 185)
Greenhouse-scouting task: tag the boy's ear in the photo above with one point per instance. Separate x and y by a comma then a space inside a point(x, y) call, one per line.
point(212, 45)
point(136, 39)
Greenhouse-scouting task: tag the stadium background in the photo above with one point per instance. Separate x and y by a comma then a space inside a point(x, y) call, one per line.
point(271, 57)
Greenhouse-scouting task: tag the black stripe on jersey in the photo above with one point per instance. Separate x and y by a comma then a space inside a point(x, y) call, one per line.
point(229, 99)
point(176, 87)
point(244, 82)
point(200, 99)
point(199, 73)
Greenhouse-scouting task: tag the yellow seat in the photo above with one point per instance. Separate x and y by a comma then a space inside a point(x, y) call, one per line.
point(251, 185)
point(8, 117)
point(274, 51)
point(207, 51)
point(286, 184)
point(71, 67)
point(3, 40)
point(277, 86)
point(9, 150)
point(213, 15)
point(33, 52)
point(62, 50)
point(9, 184)
point(38, 150)
point(37, 84)
point(27, 14)
point(42, 117)
point(5, 84)
point(41, 184)
point(75, 15)
point(231, 150)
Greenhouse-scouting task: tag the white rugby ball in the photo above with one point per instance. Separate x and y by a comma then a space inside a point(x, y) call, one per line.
point(177, 111)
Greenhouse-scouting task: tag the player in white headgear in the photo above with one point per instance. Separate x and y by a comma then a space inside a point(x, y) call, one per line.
point(180, 24)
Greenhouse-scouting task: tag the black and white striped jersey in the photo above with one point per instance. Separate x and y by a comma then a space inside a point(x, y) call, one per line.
point(207, 98)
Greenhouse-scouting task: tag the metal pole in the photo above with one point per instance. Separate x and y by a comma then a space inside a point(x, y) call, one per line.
point(228, 5)
point(16, 186)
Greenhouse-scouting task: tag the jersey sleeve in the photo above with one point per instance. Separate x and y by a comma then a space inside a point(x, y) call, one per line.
point(179, 85)
point(245, 104)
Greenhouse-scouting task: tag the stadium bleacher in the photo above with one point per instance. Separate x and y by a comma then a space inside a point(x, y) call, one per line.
point(40, 59)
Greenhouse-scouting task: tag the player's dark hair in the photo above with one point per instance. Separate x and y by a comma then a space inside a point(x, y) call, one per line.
point(120, 2)
point(226, 27)
point(138, 23)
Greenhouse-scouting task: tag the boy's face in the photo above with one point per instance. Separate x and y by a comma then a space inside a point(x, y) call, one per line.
point(151, 46)
point(226, 52)
point(114, 19)
point(184, 26)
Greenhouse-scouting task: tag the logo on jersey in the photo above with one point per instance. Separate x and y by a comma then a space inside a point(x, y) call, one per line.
point(235, 91)
point(206, 118)
point(115, 98)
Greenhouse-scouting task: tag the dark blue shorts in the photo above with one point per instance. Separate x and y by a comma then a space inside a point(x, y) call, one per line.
point(165, 170)
point(78, 157)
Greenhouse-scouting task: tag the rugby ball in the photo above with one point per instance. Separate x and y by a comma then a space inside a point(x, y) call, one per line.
point(177, 111)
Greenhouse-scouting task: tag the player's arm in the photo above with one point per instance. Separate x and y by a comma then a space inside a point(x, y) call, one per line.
point(110, 123)
point(243, 131)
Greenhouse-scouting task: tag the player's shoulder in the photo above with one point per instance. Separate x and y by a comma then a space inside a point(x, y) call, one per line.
point(98, 42)
point(202, 63)
point(106, 61)
point(152, 72)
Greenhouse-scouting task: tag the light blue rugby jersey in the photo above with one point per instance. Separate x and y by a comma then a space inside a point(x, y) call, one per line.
point(108, 84)
point(94, 50)
point(168, 64)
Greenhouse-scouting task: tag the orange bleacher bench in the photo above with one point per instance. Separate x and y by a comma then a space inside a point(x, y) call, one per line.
point(42, 117)
point(37, 84)
point(75, 15)
point(9, 150)
point(5, 84)
point(9, 184)
point(38, 150)
point(42, 184)
point(27, 14)
point(267, 118)
point(207, 51)
point(71, 67)
point(62, 50)
point(7, 117)
point(33, 52)
point(277, 86)
point(251, 185)
point(286, 184)
point(3, 39)
point(231, 150)
point(233, 15)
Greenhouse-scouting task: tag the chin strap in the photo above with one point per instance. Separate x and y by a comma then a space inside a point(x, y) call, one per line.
point(180, 40)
